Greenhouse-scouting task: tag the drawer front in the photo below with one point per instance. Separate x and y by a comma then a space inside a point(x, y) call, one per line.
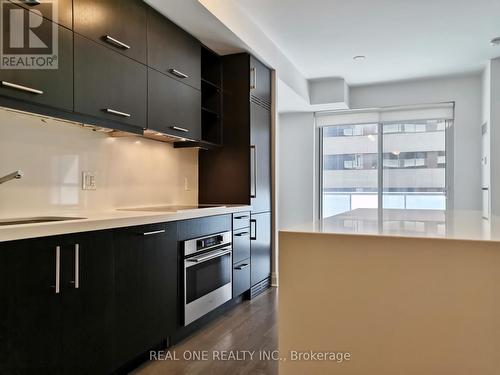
point(109, 85)
point(241, 277)
point(173, 51)
point(241, 245)
point(241, 220)
point(51, 87)
point(118, 24)
point(173, 107)
point(203, 226)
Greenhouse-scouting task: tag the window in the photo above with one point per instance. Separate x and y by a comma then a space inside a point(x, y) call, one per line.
point(411, 174)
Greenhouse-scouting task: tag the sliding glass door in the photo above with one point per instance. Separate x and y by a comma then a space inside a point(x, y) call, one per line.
point(412, 174)
point(349, 168)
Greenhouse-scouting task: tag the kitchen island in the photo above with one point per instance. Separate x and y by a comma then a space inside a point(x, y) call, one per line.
point(400, 292)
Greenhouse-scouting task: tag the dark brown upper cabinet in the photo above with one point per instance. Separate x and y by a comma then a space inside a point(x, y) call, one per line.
point(173, 108)
point(260, 81)
point(173, 51)
point(109, 86)
point(118, 24)
point(60, 12)
point(48, 87)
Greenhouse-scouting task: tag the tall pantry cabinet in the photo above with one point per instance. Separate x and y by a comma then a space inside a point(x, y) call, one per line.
point(240, 171)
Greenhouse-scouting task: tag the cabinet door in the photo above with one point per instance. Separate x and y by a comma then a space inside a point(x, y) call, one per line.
point(50, 87)
point(260, 158)
point(159, 282)
point(63, 14)
point(260, 80)
point(146, 288)
point(119, 24)
point(173, 51)
point(87, 300)
point(260, 247)
point(30, 310)
point(109, 85)
point(173, 108)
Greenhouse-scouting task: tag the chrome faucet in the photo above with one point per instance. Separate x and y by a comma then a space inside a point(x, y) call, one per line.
point(11, 176)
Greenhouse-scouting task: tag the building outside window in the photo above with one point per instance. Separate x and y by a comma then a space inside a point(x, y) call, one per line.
point(406, 169)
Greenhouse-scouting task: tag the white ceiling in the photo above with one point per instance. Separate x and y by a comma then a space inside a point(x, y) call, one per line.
point(402, 39)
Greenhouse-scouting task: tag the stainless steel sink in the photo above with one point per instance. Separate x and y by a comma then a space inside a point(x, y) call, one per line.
point(36, 220)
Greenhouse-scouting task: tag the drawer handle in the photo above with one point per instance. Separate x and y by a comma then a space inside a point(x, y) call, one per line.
point(117, 113)
point(153, 232)
point(242, 234)
point(178, 73)
point(184, 130)
point(31, 2)
point(242, 267)
point(116, 42)
point(241, 217)
point(22, 88)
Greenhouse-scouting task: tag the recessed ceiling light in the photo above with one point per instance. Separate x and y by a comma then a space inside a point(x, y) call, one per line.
point(359, 58)
point(495, 41)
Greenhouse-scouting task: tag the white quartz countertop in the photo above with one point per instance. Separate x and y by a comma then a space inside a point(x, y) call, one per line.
point(100, 220)
point(453, 224)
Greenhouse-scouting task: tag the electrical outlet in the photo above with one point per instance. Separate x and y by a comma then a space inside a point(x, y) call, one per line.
point(186, 184)
point(89, 181)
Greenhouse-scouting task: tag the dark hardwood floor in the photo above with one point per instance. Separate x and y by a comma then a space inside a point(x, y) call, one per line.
point(251, 326)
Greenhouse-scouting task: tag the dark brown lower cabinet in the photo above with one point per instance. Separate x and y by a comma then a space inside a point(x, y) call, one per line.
point(56, 313)
point(87, 318)
point(30, 312)
point(260, 247)
point(146, 288)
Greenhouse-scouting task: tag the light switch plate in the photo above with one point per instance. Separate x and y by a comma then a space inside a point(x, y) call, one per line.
point(89, 181)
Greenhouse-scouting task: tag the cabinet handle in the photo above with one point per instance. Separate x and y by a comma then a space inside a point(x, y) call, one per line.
point(116, 42)
point(153, 232)
point(117, 113)
point(253, 84)
point(253, 168)
point(254, 236)
point(76, 282)
point(242, 234)
point(57, 287)
point(184, 130)
point(32, 2)
point(241, 217)
point(242, 267)
point(22, 88)
point(178, 73)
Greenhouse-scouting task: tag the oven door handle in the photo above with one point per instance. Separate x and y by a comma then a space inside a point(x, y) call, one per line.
point(209, 256)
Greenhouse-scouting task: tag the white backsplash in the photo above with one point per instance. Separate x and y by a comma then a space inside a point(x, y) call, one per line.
point(131, 171)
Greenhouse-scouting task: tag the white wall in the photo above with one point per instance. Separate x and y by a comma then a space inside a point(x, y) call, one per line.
point(130, 171)
point(296, 169)
point(465, 91)
point(494, 112)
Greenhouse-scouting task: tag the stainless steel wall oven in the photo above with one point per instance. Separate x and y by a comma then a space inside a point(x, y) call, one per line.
point(207, 274)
